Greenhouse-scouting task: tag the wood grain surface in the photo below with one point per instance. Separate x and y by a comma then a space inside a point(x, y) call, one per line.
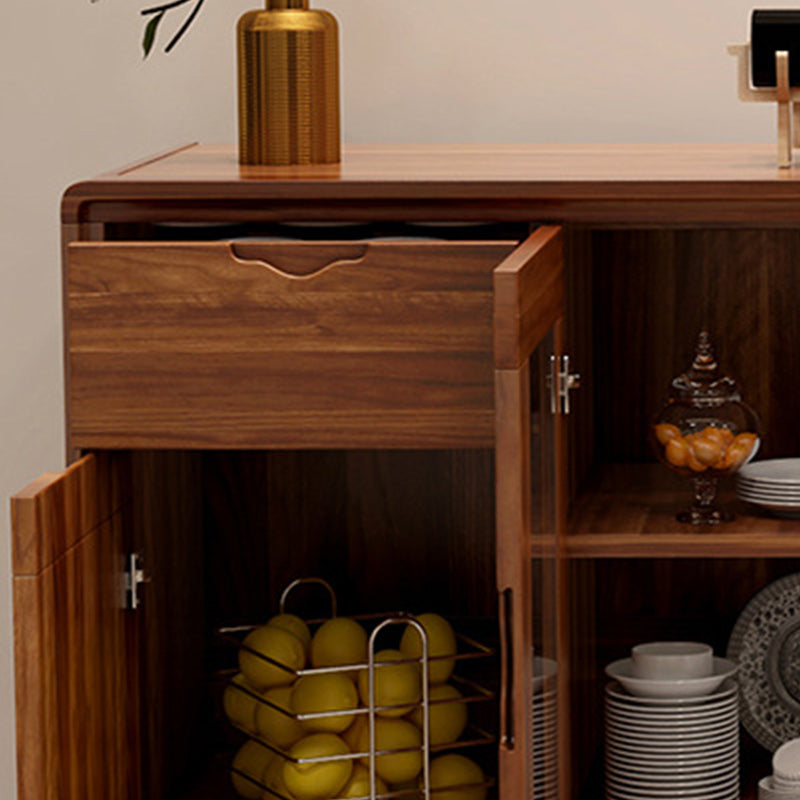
point(600, 183)
point(75, 737)
point(630, 512)
point(323, 353)
point(528, 296)
point(188, 345)
point(171, 631)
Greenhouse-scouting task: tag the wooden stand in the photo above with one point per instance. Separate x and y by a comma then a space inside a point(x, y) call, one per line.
point(783, 94)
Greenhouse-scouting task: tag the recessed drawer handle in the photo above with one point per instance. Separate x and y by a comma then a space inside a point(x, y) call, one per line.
point(298, 261)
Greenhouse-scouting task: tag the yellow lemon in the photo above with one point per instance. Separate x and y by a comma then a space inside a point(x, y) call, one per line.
point(252, 759)
point(396, 685)
point(447, 719)
point(273, 778)
point(277, 727)
point(409, 790)
point(441, 642)
point(394, 734)
point(358, 785)
point(294, 625)
point(239, 705)
point(454, 770)
point(330, 691)
point(337, 642)
point(352, 736)
point(320, 780)
point(277, 644)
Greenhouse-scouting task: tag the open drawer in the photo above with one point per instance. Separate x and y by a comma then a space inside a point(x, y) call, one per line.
point(263, 344)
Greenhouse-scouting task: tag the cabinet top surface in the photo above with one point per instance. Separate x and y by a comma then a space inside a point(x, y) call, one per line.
point(521, 173)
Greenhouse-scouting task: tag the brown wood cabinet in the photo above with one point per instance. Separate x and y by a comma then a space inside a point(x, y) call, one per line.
point(353, 371)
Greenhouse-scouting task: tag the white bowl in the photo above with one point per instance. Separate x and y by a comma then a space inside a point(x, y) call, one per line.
point(672, 660)
point(768, 791)
point(622, 671)
point(786, 767)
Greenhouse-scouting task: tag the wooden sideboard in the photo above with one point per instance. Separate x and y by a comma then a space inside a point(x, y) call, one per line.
point(344, 370)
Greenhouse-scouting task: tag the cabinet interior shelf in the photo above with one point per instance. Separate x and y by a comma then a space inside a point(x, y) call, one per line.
point(629, 512)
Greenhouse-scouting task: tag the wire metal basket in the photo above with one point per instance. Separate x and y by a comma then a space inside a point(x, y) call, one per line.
point(471, 692)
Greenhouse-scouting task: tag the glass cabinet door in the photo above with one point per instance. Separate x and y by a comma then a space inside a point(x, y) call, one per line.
point(529, 303)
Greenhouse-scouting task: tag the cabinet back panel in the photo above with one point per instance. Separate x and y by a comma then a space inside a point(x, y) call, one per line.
point(403, 530)
point(224, 532)
point(655, 290)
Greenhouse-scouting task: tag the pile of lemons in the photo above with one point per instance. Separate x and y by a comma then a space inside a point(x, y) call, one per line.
point(326, 712)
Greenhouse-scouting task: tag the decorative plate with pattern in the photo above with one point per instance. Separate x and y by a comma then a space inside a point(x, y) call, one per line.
point(765, 643)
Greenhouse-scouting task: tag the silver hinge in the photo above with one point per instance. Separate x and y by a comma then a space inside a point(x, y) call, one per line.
point(135, 576)
point(561, 381)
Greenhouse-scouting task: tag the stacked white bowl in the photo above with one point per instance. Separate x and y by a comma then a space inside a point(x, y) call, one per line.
point(772, 484)
point(544, 743)
point(784, 783)
point(672, 725)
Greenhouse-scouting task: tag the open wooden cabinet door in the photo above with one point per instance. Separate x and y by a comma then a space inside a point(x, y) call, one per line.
point(75, 736)
point(528, 311)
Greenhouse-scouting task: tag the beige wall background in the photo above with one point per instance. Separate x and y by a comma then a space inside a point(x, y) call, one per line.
point(76, 98)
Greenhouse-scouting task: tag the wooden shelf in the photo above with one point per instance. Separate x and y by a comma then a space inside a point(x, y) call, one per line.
point(629, 512)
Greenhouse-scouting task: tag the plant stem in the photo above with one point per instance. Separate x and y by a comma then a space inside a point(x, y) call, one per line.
point(165, 7)
point(187, 22)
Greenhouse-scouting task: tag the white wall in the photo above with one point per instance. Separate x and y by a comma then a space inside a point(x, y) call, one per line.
point(76, 98)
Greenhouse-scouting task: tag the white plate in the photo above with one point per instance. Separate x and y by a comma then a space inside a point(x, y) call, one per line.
point(746, 492)
point(674, 705)
point(659, 734)
point(644, 716)
point(768, 486)
point(767, 483)
point(775, 470)
point(684, 749)
point(760, 494)
point(682, 688)
point(613, 794)
point(657, 716)
point(664, 782)
point(633, 747)
point(724, 790)
point(779, 509)
point(672, 767)
point(692, 758)
point(659, 788)
point(671, 722)
point(680, 728)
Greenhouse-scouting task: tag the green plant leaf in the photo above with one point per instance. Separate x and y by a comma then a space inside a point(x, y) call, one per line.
point(150, 33)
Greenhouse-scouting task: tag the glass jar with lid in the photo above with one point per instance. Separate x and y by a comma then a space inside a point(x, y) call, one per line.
point(705, 431)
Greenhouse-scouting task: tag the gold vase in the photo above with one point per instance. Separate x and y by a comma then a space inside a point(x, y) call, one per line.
point(288, 70)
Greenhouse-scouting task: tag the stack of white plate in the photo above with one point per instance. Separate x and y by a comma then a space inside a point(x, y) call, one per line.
point(772, 484)
point(672, 747)
point(544, 742)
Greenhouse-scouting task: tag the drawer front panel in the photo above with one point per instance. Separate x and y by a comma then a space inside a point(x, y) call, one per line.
point(281, 345)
